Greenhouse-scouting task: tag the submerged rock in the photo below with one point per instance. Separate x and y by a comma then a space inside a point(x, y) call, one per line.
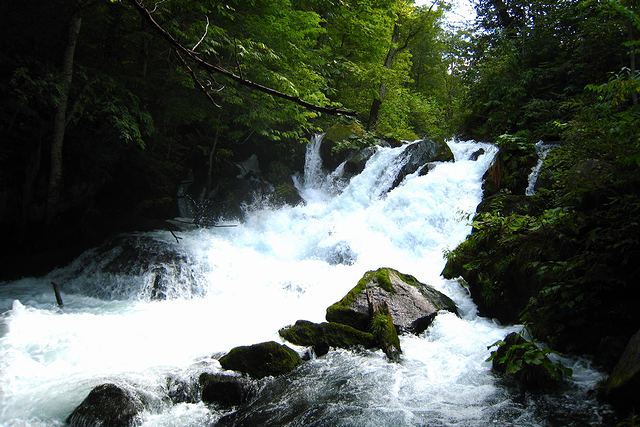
point(108, 405)
point(261, 360)
point(411, 304)
point(225, 390)
point(622, 388)
point(324, 335)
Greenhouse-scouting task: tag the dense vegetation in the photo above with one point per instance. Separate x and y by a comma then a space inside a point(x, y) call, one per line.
point(101, 117)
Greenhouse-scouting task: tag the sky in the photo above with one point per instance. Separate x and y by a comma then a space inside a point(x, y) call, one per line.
point(461, 12)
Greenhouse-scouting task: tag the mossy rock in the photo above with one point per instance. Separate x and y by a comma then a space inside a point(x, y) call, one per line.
point(385, 333)
point(261, 360)
point(511, 167)
point(341, 131)
point(412, 304)
point(286, 194)
point(225, 390)
point(523, 361)
point(324, 335)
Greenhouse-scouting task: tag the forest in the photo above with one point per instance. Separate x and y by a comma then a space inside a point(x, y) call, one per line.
point(118, 115)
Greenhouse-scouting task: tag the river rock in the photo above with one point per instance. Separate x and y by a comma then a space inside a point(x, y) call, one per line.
point(622, 388)
point(324, 335)
point(411, 304)
point(261, 360)
point(384, 332)
point(108, 405)
point(225, 390)
point(419, 154)
point(511, 167)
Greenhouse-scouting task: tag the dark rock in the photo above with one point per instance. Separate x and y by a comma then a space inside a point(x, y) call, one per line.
point(261, 360)
point(412, 305)
point(419, 154)
point(522, 361)
point(476, 154)
point(225, 390)
point(324, 335)
point(511, 167)
point(108, 405)
point(357, 161)
point(338, 133)
point(622, 388)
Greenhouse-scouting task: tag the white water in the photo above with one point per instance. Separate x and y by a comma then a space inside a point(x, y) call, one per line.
point(543, 151)
point(279, 266)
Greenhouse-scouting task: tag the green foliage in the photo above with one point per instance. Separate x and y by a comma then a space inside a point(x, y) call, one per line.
point(525, 361)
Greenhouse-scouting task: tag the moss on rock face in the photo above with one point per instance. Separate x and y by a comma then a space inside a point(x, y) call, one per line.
point(385, 333)
point(319, 336)
point(261, 360)
point(413, 305)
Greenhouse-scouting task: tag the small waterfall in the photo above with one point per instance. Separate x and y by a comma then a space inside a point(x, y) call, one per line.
point(543, 151)
point(313, 173)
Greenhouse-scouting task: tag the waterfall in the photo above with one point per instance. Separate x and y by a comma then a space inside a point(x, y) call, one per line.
point(543, 151)
point(225, 287)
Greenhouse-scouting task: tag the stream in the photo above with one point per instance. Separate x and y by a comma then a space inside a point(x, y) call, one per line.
point(224, 287)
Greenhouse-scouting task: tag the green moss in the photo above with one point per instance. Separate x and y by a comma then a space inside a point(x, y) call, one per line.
point(385, 333)
point(332, 334)
point(261, 360)
point(340, 132)
point(341, 312)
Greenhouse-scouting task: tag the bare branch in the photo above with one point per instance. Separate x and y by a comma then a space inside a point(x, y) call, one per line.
point(196, 80)
point(155, 7)
point(206, 29)
point(219, 70)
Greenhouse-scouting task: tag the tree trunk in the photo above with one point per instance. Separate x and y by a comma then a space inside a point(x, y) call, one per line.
point(60, 119)
point(374, 111)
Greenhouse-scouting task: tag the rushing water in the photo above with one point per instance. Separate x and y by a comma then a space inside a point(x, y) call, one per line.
point(238, 286)
point(543, 151)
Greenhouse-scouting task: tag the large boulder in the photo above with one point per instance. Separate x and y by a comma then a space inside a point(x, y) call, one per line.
point(324, 335)
point(261, 360)
point(419, 154)
point(225, 390)
point(108, 405)
point(411, 304)
point(622, 388)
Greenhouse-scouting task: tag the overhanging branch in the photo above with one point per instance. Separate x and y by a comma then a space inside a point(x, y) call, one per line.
point(146, 15)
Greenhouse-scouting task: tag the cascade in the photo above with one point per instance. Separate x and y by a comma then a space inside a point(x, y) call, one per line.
point(543, 151)
point(225, 287)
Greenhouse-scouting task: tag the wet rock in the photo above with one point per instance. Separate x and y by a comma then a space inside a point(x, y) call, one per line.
point(357, 161)
point(182, 390)
point(419, 154)
point(411, 304)
point(476, 154)
point(261, 360)
point(384, 332)
point(324, 335)
point(622, 388)
point(225, 390)
point(108, 405)
point(511, 167)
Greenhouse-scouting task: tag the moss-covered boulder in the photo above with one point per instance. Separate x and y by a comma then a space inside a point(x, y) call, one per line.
point(622, 388)
point(511, 167)
point(324, 335)
point(261, 360)
point(411, 304)
point(527, 364)
point(225, 390)
point(108, 405)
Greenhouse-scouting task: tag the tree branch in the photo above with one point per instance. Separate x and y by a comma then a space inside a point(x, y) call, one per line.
point(219, 70)
point(206, 30)
point(196, 80)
